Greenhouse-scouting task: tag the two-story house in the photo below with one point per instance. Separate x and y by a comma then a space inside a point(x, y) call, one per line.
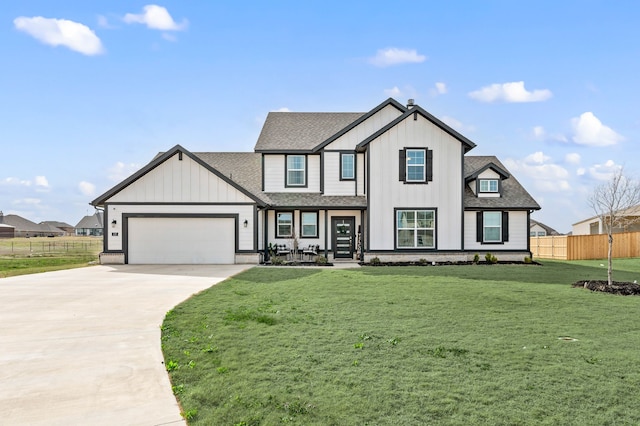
point(394, 183)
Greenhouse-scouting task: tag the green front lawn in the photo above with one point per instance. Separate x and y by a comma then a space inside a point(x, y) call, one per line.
point(408, 346)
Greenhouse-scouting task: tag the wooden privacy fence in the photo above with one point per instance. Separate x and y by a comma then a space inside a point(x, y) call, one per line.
point(583, 247)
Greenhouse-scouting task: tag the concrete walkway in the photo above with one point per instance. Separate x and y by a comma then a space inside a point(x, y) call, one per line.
point(82, 346)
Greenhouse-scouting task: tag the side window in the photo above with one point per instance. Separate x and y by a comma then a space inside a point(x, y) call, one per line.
point(347, 166)
point(492, 227)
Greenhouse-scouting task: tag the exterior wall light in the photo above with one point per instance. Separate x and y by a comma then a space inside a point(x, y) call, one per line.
point(246, 223)
point(113, 223)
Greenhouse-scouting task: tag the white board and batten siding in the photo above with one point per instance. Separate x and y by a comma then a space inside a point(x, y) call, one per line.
point(388, 192)
point(518, 233)
point(275, 170)
point(180, 212)
point(180, 181)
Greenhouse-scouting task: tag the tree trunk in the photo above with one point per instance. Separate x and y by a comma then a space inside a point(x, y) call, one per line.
point(609, 258)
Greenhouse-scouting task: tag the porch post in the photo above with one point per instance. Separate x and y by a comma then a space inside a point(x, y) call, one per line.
point(326, 234)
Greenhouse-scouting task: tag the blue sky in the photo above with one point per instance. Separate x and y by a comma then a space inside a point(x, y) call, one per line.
point(91, 91)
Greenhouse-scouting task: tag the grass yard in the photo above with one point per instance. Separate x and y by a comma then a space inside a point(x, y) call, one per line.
point(446, 345)
point(20, 256)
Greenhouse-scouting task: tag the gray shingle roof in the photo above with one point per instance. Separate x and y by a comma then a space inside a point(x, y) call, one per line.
point(22, 224)
point(514, 196)
point(90, 222)
point(297, 199)
point(301, 131)
point(244, 168)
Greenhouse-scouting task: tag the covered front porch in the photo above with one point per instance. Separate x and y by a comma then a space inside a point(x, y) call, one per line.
point(303, 233)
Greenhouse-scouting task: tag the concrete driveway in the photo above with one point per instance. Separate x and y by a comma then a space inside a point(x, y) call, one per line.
point(82, 346)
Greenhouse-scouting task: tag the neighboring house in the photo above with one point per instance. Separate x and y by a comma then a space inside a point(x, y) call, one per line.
point(393, 183)
point(91, 225)
point(23, 227)
point(539, 229)
point(629, 221)
point(7, 231)
point(62, 228)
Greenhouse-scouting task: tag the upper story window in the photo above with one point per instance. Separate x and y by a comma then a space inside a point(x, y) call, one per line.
point(489, 185)
point(296, 170)
point(416, 165)
point(347, 166)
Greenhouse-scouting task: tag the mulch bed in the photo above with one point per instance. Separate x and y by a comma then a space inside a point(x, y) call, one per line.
point(616, 287)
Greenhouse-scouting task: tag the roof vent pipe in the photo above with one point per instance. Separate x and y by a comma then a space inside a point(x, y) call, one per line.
point(410, 103)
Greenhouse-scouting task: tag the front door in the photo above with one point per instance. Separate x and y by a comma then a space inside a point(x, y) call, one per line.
point(343, 237)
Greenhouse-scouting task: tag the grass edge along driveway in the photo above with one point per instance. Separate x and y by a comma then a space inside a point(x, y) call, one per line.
point(500, 344)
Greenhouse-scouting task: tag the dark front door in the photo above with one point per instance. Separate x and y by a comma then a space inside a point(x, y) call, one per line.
point(343, 237)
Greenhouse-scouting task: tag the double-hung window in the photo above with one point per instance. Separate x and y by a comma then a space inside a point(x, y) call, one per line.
point(416, 165)
point(415, 228)
point(296, 170)
point(488, 185)
point(492, 227)
point(347, 166)
point(309, 224)
point(284, 224)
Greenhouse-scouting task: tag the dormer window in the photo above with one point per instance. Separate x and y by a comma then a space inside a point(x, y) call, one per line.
point(489, 185)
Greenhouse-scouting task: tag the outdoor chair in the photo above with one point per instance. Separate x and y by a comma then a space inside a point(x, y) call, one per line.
point(282, 250)
point(311, 250)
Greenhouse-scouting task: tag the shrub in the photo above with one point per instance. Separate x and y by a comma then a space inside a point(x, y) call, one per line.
point(321, 260)
point(527, 259)
point(375, 261)
point(476, 258)
point(423, 261)
point(489, 258)
point(275, 260)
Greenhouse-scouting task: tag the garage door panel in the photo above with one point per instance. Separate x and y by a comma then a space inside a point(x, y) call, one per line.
point(162, 240)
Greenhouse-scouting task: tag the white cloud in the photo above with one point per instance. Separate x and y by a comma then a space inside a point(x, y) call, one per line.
point(283, 109)
point(13, 181)
point(87, 188)
point(394, 56)
point(121, 171)
point(61, 32)
point(589, 130)
point(169, 37)
point(157, 18)
point(441, 88)
point(546, 176)
point(509, 92)
point(604, 171)
point(27, 201)
point(42, 181)
point(394, 92)
point(538, 132)
point(581, 171)
point(572, 158)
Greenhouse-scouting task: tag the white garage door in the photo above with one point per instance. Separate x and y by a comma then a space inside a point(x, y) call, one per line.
point(180, 241)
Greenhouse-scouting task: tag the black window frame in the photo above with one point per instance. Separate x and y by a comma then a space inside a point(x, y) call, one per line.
point(277, 230)
point(415, 228)
point(504, 227)
point(428, 166)
point(342, 156)
point(317, 224)
point(305, 173)
point(498, 186)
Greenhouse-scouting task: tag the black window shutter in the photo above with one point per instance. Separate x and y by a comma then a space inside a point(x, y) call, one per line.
point(402, 164)
point(479, 227)
point(505, 226)
point(429, 165)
